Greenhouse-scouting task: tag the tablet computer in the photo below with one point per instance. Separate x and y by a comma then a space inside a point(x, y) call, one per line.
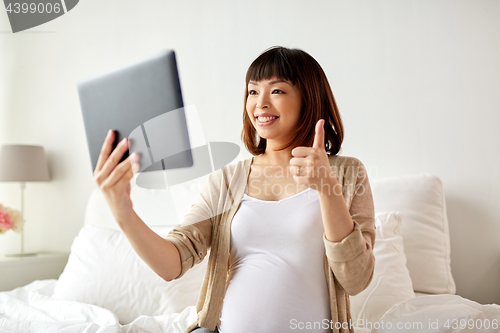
point(141, 101)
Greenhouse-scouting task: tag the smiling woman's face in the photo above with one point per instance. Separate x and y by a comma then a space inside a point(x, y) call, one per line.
point(274, 98)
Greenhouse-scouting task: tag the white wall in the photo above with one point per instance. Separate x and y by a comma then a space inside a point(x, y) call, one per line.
point(417, 83)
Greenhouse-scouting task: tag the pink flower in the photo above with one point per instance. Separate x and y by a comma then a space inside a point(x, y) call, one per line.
point(5, 220)
point(10, 219)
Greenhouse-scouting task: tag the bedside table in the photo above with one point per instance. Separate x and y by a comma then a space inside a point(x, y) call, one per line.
point(19, 271)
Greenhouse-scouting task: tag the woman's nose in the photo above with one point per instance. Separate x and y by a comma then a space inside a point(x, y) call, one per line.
point(262, 102)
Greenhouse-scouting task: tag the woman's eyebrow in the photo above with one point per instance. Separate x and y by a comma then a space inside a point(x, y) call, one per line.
point(278, 81)
point(270, 83)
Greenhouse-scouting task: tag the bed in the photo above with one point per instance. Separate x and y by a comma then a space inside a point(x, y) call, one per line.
point(105, 286)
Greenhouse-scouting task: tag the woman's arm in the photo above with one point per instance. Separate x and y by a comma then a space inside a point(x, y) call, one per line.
point(113, 178)
point(336, 217)
point(192, 242)
point(157, 252)
point(350, 234)
point(170, 259)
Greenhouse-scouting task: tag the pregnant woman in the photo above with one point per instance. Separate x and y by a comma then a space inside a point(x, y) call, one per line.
point(290, 230)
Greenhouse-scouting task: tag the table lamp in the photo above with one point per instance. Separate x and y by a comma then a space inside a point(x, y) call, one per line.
point(23, 163)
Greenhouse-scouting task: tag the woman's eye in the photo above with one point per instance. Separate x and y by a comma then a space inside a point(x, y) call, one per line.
point(251, 92)
point(280, 91)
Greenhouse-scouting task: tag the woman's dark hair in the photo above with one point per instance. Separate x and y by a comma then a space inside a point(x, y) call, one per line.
point(302, 70)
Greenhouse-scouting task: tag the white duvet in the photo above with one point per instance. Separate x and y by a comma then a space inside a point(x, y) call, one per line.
point(31, 309)
point(438, 313)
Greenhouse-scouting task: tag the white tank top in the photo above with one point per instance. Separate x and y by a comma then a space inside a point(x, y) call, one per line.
point(276, 277)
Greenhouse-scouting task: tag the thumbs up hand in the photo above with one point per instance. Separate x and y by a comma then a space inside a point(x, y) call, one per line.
point(315, 169)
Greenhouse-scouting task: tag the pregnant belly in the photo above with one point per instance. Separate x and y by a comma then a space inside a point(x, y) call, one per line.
point(270, 296)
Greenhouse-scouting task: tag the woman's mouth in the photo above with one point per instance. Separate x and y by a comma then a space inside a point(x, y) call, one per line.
point(266, 121)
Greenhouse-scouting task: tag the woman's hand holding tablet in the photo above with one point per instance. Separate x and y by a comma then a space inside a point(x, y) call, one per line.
point(114, 179)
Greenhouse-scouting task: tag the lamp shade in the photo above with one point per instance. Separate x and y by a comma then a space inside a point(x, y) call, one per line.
point(22, 163)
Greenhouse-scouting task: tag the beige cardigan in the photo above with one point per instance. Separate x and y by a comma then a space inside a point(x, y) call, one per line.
point(348, 264)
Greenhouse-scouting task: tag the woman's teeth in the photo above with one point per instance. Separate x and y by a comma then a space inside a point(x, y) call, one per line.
point(266, 119)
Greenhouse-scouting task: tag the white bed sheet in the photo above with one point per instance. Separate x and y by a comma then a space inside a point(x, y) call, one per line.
point(440, 313)
point(31, 309)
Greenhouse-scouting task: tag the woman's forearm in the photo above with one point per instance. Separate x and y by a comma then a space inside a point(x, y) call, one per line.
point(157, 252)
point(337, 220)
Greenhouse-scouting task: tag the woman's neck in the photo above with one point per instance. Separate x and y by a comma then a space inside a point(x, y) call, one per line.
point(276, 158)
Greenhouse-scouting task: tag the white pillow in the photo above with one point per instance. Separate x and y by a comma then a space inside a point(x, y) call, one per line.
point(104, 270)
point(421, 200)
point(391, 282)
